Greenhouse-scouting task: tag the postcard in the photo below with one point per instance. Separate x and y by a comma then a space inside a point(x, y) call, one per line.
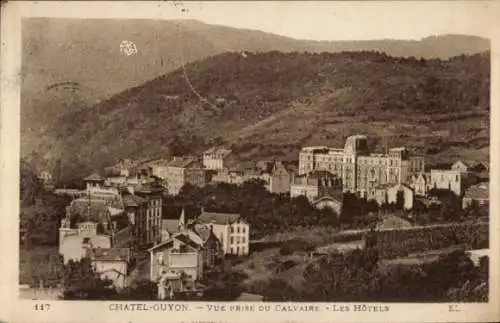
point(332, 161)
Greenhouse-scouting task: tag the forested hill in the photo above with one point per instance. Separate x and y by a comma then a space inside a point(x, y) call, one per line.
point(270, 104)
point(69, 64)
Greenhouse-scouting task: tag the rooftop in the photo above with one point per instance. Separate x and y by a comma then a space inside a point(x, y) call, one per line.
point(479, 191)
point(111, 254)
point(181, 162)
point(133, 200)
point(94, 178)
point(221, 151)
point(219, 218)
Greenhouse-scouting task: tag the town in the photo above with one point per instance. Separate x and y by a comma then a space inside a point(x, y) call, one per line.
point(166, 225)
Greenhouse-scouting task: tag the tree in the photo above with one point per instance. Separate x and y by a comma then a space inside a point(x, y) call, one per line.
point(143, 289)
point(81, 282)
point(400, 200)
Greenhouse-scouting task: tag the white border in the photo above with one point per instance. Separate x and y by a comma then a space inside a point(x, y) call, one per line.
point(14, 310)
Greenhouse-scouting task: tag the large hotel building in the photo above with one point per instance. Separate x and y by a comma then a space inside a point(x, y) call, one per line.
point(361, 171)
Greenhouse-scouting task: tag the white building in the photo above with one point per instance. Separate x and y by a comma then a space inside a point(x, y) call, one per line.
point(232, 231)
point(216, 158)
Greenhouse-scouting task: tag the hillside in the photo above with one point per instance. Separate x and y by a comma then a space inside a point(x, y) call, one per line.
point(83, 59)
point(270, 104)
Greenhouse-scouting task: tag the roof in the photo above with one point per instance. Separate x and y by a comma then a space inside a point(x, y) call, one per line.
point(221, 151)
point(187, 237)
point(479, 191)
point(181, 162)
point(147, 188)
point(133, 200)
point(219, 218)
point(94, 178)
point(111, 254)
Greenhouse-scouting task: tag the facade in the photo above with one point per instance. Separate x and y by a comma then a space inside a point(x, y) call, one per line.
point(94, 181)
point(313, 184)
point(112, 264)
point(211, 244)
point(421, 183)
point(276, 176)
point(182, 170)
point(74, 243)
point(469, 166)
point(231, 230)
point(216, 158)
point(360, 170)
point(479, 194)
point(453, 180)
point(136, 208)
point(228, 176)
point(388, 194)
point(153, 196)
point(180, 255)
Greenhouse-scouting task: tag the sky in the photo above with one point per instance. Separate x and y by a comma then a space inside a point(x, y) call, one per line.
point(324, 20)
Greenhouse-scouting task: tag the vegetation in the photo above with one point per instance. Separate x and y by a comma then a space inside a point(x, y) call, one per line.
point(81, 282)
point(357, 276)
point(262, 95)
point(266, 212)
point(398, 243)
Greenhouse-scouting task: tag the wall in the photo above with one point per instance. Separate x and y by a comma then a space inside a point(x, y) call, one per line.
point(447, 180)
point(239, 239)
point(309, 191)
point(118, 280)
point(190, 262)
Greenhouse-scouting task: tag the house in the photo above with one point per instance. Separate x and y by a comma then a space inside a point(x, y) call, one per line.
point(94, 181)
point(478, 194)
point(74, 243)
point(211, 244)
point(216, 158)
point(469, 166)
point(228, 176)
point(391, 193)
point(274, 174)
point(231, 230)
point(96, 220)
point(112, 264)
point(311, 185)
point(421, 183)
point(154, 197)
point(453, 180)
point(136, 208)
point(182, 170)
point(212, 247)
point(181, 254)
point(172, 286)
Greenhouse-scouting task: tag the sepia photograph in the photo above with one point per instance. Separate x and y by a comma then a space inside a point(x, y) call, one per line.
point(293, 153)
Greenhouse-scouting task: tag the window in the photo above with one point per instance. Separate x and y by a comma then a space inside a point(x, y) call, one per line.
point(242, 239)
point(232, 240)
point(238, 230)
point(243, 230)
point(456, 179)
point(232, 230)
